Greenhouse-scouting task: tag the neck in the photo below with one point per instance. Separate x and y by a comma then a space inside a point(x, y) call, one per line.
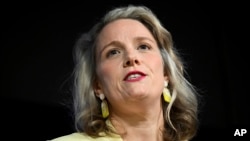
point(143, 124)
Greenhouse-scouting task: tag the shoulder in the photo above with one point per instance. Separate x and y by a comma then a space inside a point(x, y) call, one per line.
point(83, 136)
point(71, 137)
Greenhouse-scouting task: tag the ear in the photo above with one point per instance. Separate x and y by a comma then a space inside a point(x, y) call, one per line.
point(97, 88)
point(166, 78)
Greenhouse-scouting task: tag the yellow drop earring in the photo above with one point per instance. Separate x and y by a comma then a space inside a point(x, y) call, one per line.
point(104, 106)
point(166, 92)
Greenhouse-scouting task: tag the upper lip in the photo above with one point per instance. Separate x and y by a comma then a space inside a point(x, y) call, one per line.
point(134, 72)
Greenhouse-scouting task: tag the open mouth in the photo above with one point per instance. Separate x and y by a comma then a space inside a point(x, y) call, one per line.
point(134, 76)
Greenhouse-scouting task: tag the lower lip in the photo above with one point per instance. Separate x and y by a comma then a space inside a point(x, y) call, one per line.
point(135, 79)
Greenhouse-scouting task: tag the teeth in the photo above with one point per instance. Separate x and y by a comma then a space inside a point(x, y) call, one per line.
point(133, 76)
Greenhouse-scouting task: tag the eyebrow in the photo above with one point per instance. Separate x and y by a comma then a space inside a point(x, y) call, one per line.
point(113, 43)
point(144, 38)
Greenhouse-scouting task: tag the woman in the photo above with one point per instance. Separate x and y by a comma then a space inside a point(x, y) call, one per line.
point(129, 82)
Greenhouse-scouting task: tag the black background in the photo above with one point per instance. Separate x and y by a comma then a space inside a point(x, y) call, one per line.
point(36, 60)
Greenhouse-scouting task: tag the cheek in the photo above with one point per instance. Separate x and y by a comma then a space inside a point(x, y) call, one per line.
point(106, 72)
point(156, 64)
point(108, 76)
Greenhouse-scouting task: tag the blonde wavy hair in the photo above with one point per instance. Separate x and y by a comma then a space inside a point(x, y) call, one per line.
point(181, 122)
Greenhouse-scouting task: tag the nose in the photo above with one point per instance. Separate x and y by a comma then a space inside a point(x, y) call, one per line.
point(131, 60)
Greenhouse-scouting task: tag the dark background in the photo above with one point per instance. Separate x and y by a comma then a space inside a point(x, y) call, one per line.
point(36, 61)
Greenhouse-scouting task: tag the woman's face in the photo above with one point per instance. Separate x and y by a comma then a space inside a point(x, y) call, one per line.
point(129, 64)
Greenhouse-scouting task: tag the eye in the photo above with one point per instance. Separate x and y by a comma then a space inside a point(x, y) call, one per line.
point(113, 52)
point(144, 47)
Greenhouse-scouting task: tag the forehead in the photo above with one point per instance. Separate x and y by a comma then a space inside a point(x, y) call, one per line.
point(124, 28)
